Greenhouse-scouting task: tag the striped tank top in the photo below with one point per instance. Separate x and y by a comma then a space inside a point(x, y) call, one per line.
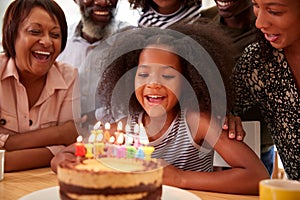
point(151, 18)
point(177, 147)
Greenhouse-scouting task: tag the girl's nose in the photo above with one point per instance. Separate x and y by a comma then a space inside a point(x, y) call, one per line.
point(154, 85)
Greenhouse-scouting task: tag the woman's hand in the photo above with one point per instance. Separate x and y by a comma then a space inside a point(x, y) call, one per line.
point(66, 154)
point(234, 126)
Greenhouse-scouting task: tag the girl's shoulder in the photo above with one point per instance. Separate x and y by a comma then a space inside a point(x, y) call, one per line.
point(198, 123)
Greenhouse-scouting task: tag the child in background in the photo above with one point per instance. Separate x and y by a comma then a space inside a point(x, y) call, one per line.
point(182, 111)
point(158, 13)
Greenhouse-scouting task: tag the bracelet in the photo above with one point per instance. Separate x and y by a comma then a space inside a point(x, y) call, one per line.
point(3, 139)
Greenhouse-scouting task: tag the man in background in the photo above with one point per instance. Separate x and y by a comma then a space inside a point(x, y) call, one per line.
point(94, 29)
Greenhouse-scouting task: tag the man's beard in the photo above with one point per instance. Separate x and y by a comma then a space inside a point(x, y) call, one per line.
point(94, 30)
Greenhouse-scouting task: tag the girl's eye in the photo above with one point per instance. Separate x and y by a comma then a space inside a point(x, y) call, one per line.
point(168, 76)
point(144, 75)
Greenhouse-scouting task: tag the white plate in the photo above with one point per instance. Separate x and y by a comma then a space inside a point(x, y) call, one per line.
point(169, 193)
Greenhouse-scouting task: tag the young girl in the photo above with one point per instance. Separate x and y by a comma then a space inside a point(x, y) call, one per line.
point(182, 111)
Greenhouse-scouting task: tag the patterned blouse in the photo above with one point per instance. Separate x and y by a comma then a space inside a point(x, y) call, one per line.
point(264, 78)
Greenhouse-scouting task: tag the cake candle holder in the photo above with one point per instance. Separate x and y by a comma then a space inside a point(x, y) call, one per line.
point(79, 148)
point(99, 145)
point(148, 150)
point(128, 136)
point(107, 133)
point(136, 131)
point(90, 146)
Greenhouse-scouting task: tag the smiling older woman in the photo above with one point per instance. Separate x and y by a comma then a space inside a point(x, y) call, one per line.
point(38, 94)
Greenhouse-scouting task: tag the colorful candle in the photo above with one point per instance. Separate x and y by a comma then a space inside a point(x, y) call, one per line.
point(111, 152)
point(130, 151)
point(99, 145)
point(120, 151)
point(120, 126)
point(143, 138)
point(128, 136)
point(97, 125)
point(140, 153)
point(136, 131)
point(148, 150)
point(107, 133)
point(79, 147)
point(89, 147)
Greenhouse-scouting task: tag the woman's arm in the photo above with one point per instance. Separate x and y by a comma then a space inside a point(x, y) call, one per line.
point(27, 159)
point(64, 134)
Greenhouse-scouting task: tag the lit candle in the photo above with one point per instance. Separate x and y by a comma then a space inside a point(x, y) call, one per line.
point(97, 125)
point(110, 147)
point(120, 139)
point(136, 131)
point(148, 150)
point(106, 133)
point(121, 151)
point(99, 146)
point(79, 148)
point(120, 126)
point(140, 153)
point(89, 147)
point(129, 138)
point(118, 132)
point(131, 151)
point(143, 135)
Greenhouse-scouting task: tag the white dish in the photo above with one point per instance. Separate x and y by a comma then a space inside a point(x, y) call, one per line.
point(169, 193)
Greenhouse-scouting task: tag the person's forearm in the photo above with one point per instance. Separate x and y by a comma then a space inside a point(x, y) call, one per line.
point(27, 159)
point(64, 134)
point(236, 181)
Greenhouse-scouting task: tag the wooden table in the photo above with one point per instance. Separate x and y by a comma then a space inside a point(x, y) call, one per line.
point(18, 184)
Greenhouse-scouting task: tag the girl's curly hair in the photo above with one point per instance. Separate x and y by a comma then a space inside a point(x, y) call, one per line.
point(198, 63)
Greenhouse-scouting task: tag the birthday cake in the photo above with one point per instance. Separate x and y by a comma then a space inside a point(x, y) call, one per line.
point(110, 178)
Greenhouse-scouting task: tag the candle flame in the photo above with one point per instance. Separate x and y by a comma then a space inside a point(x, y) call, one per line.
point(120, 126)
point(79, 138)
point(97, 125)
point(120, 139)
point(107, 126)
point(112, 139)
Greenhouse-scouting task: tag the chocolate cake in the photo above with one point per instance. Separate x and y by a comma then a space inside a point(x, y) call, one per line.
point(111, 178)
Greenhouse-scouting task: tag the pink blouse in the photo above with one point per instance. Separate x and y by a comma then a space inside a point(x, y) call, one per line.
point(59, 101)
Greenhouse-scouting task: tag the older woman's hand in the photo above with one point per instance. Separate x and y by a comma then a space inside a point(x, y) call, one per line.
point(66, 154)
